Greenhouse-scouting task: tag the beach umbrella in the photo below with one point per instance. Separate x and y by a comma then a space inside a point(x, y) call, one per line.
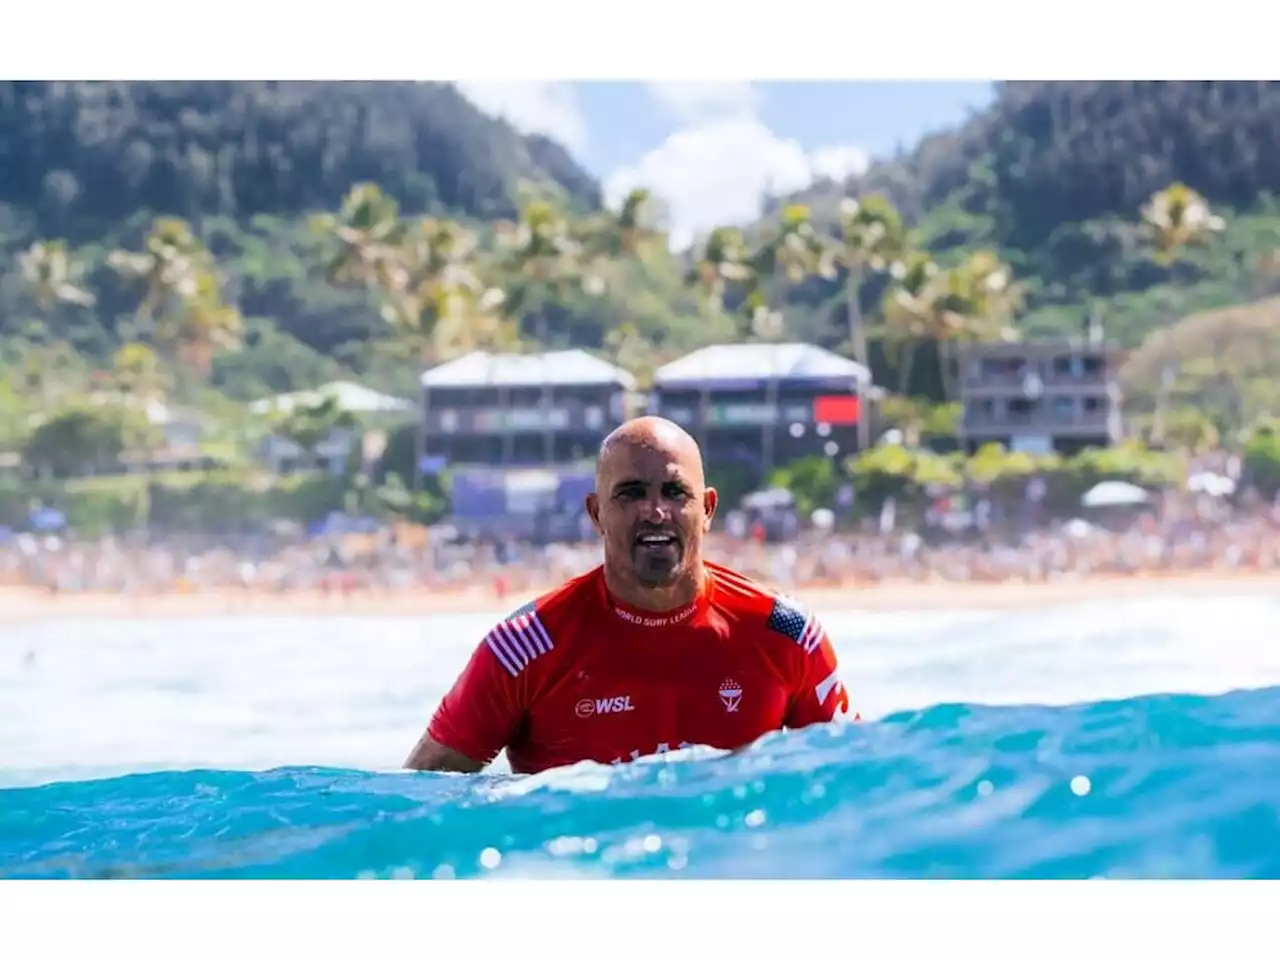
point(1114, 493)
point(1211, 484)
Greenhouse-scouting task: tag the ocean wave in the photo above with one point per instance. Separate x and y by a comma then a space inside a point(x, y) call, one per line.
point(1156, 786)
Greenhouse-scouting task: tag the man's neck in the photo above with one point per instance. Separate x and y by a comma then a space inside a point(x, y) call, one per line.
point(656, 599)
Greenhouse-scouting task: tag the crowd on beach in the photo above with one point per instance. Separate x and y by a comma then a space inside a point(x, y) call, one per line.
point(1180, 534)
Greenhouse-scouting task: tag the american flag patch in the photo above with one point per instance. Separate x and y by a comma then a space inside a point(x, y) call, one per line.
point(519, 640)
point(790, 620)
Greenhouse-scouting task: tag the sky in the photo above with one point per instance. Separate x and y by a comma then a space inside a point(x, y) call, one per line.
point(711, 150)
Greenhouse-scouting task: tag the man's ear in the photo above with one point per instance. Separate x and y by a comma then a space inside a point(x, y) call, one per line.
point(593, 511)
point(710, 500)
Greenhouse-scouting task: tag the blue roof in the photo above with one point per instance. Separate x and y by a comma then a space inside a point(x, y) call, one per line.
point(745, 362)
point(557, 368)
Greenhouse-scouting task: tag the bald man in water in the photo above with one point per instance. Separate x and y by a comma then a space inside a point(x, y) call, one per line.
point(654, 650)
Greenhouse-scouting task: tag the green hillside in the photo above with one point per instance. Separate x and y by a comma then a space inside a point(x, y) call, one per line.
point(1051, 180)
point(245, 164)
point(1053, 175)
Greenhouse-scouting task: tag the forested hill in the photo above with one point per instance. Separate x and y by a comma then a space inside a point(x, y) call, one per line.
point(1053, 152)
point(1052, 178)
point(1053, 175)
point(82, 157)
point(247, 164)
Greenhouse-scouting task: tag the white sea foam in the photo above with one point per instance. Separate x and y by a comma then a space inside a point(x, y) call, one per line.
point(90, 699)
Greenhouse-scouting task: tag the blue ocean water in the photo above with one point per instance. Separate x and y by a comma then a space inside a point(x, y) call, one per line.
point(1156, 786)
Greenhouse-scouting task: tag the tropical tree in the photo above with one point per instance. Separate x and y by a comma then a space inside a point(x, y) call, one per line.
point(50, 372)
point(168, 265)
point(80, 437)
point(722, 267)
point(792, 251)
point(53, 276)
point(207, 326)
point(1178, 217)
point(872, 239)
point(973, 301)
point(910, 310)
point(542, 258)
point(631, 232)
point(1175, 218)
point(183, 305)
point(369, 233)
point(443, 304)
point(309, 426)
point(138, 372)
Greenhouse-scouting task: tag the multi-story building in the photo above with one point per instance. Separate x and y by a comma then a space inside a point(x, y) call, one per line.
point(513, 410)
point(762, 405)
point(1040, 396)
point(518, 433)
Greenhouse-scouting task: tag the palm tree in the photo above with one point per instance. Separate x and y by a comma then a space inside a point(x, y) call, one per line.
point(910, 311)
point(52, 276)
point(544, 260)
point(722, 265)
point(137, 372)
point(443, 303)
point(872, 238)
point(369, 233)
point(543, 257)
point(974, 300)
point(1177, 217)
point(169, 265)
point(183, 304)
point(791, 251)
point(207, 326)
point(629, 233)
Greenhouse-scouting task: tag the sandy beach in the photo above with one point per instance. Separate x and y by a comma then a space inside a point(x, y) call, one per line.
point(27, 604)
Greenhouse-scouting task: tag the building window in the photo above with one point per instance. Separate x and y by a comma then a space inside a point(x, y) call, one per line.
point(983, 410)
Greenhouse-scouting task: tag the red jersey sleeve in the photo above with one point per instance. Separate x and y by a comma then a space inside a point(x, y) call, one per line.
point(818, 695)
point(481, 712)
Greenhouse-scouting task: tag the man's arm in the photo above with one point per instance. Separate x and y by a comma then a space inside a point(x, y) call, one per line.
point(427, 754)
point(482, 710)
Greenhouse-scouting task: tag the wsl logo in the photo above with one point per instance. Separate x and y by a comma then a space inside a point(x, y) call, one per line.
point(731, 695)
point(588, 707)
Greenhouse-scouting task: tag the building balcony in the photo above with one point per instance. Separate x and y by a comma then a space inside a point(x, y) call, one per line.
point(1086, 423)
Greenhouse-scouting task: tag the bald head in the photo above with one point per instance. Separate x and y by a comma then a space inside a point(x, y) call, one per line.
point(654, 435)
point(652, 505)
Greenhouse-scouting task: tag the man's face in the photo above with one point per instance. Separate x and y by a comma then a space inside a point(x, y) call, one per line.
point(653, 509)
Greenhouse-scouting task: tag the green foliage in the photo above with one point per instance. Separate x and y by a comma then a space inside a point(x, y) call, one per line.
point(1061, 200)
point(813, 481)
point(85, 436)
point(104, 151)
point(910, 476)
point(222, 502)
point(1262, 457)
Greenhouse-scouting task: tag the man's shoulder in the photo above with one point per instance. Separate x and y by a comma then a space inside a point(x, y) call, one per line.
point(778, 614)
point(530, 632)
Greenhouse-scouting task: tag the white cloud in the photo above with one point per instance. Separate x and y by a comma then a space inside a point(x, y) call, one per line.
point(717, 172)
point(548, 108)
point(717, 168)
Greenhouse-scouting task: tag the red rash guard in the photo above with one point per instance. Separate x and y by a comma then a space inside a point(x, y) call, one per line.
point(577, 675)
